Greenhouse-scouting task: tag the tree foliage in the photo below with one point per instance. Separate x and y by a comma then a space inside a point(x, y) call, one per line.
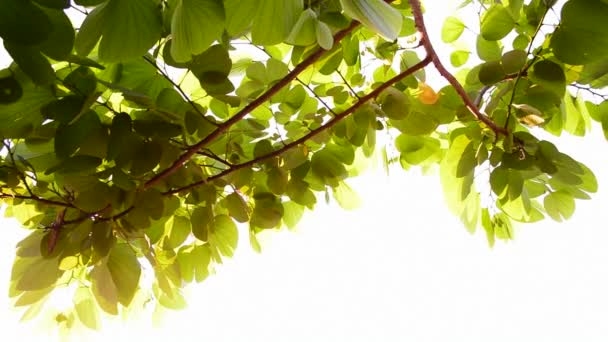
point(144, 136)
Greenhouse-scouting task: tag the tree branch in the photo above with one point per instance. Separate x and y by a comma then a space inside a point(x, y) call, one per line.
point(37, 199)
point(312, 133)
point(428, 47)
point(223, 127)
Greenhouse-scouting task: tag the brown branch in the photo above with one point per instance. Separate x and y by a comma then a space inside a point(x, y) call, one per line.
point(55, 230)
point(248, 109)
point(38, 199)
point(99, 219)
point(213, 156)
point(428, 47)
point(312, 133)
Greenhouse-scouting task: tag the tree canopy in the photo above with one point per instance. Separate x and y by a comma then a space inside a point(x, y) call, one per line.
point(142, 133)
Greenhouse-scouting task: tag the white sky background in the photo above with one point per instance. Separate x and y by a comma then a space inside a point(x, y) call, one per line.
point(400, 268)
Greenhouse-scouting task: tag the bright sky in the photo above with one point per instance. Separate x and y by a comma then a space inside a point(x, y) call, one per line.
point(400, 268)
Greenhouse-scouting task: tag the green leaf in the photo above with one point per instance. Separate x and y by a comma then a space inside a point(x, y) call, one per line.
point(38, 274)
point(292, 214)
point(185, 261)
point(513, 61)
point(177, 302)
point(262, 148)
point(33, 297)
point(395, 104)
point(151, 201)
point(178, 229)
point(91, 30)
point(86, 309)
point(201, 222)
point(102, 238)
point(376, 15)
point(324, 37)
point(125, 271)
point(81, 81)
point(488, 226)
point(417, 123)
point(146, 158)
point(277, 180)
point(76, 164)
point(104, 289)
point(572, 116)
point(266, 29)
point(491, 73)
point(195, 25)
point(416, 149)
point(237, 207)
point(71, 136)
point(452, 29)
point(211, 68)
point(224, 235)
point(32, 62)
point(496, 23)
point(521, 42)
point(238, 15)
point(267, 212)
point(201, 256)
point(550, 75)
point(559, 205)
point(22, 21)
point(328, 167)
point(456, 189)
point(61, 39)
point(580, 38)
point(19, 117)
point(595, 74)
point(503, 227)
point(488, 50)
point(350, 50)
point(299, 192)
point(304, 32)
point(459, 57)
point(116, 22)
point(95, 198)
point(346, 197)
point(471, 212)
point(499, 179)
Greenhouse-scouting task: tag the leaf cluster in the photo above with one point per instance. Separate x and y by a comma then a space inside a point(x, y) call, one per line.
point(149, 137)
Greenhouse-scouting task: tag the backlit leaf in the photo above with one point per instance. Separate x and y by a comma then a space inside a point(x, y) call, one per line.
point(496, 23)
point(195, 25)
point(452, 29)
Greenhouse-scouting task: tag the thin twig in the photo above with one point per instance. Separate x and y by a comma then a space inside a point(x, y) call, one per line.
point(525, 68)
point(180, 90)
point(319, 98)
point(347, 84)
